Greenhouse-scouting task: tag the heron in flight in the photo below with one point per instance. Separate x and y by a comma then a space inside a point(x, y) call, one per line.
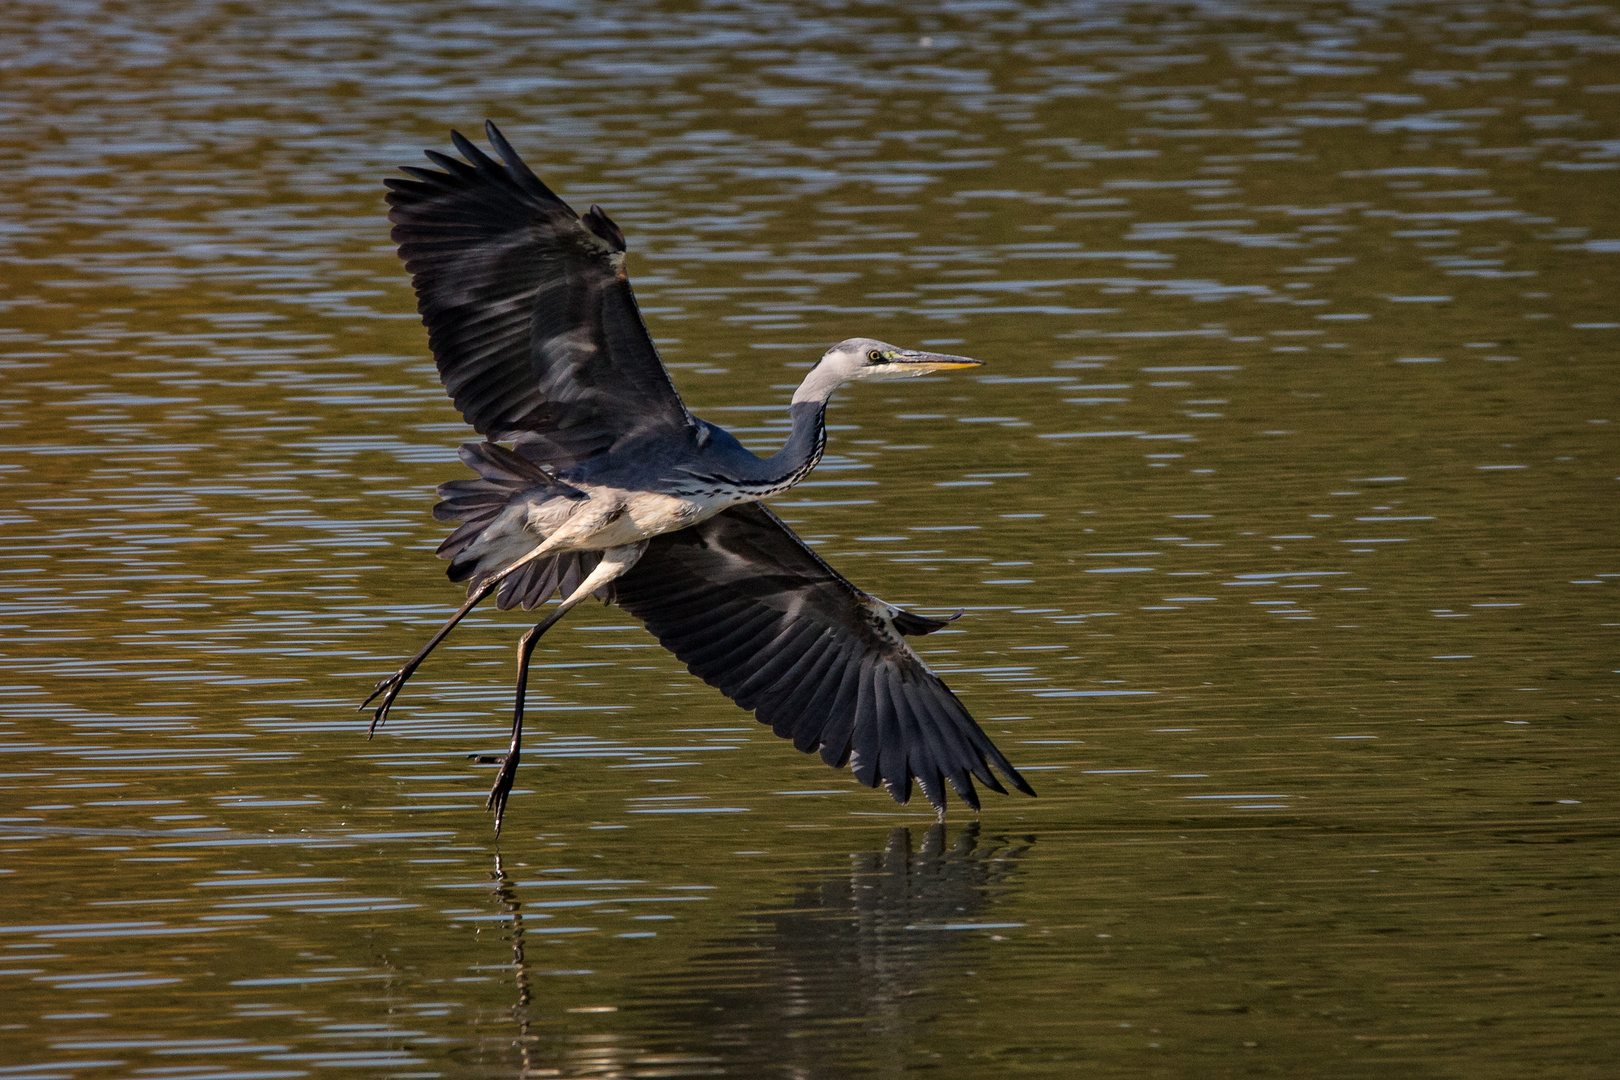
point(610, 486)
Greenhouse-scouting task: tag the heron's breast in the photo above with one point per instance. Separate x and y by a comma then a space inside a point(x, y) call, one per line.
point(656, 513)
point(644, 514)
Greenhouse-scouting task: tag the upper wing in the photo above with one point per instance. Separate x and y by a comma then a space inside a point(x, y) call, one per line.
point(529, 314)
point(754, 612)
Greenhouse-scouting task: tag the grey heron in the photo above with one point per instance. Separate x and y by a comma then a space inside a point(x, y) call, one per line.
point(610, 486)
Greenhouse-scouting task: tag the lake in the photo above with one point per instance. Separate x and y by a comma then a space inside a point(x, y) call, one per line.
point(1283, 520)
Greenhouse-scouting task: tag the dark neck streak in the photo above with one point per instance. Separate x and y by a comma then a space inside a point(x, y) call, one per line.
point(800, 453)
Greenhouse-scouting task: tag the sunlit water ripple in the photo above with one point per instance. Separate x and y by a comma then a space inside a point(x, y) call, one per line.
point(1281, 519)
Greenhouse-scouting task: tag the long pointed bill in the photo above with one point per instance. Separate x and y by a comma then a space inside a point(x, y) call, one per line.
point(915, 360)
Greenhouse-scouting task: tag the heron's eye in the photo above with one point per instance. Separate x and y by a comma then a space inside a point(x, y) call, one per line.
point(875, 356)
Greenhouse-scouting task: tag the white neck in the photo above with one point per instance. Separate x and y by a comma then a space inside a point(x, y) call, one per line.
point(818, 385)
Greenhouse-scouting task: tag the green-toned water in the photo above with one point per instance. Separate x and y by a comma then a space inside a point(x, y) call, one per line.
point(1283, 517)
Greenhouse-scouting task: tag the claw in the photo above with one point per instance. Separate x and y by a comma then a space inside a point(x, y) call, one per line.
point(501, 789)
point(382, 684)
point(390, 688)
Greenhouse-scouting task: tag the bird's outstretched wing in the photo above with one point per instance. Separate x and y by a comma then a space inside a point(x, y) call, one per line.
point(755, 613)
point(529, 313)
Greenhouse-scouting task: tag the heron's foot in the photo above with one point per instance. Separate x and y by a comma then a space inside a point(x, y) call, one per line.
point(496, 803)
point(389, 689)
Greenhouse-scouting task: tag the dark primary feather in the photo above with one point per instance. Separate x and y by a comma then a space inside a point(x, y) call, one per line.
point(755, 613)
point(529, 314)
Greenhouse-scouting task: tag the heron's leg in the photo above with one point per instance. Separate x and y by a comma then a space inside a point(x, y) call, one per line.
point(509, 763)
point(615, 561)
point(393, 684)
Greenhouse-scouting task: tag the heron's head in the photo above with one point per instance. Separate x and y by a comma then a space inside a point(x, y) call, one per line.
point(868, 360)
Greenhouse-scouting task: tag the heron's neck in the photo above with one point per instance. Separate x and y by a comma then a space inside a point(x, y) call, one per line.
point(818, 386)
point(806, 440)
point(803, 448)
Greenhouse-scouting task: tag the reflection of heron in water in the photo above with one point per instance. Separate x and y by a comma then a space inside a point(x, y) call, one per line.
point(858, 946)
point(508, 898)
point(851, 946)
point(611, 487)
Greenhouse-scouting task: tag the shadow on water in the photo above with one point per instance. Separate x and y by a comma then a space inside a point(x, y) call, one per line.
point(853, 952)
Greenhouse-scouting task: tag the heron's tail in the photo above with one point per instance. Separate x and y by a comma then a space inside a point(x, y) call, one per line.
point(505, 481)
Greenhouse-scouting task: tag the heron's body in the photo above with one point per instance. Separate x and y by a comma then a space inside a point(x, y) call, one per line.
point(611, 487)
point(602, 503)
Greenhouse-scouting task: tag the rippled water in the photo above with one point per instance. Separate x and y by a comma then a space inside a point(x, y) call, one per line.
point(1283, 517)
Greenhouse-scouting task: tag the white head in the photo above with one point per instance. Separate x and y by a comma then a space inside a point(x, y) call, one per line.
point(867, 359)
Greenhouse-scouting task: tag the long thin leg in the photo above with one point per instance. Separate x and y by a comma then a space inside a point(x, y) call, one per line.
point(393, 684)
point(615, 561)
point(508, 772)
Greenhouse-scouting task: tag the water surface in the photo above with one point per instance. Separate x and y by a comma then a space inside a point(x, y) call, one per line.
point(1282, 517)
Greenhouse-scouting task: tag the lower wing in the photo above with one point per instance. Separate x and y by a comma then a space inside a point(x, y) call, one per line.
point(755, 613)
